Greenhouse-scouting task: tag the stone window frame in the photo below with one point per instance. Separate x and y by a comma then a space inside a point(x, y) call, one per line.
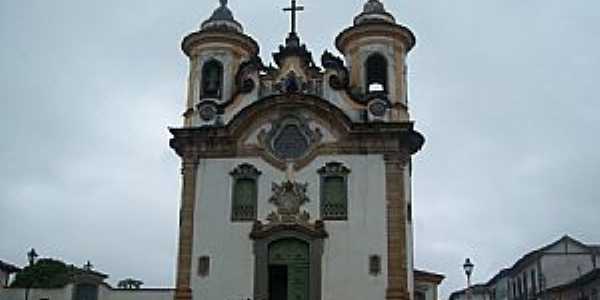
point(244, 171)
point(333, 170)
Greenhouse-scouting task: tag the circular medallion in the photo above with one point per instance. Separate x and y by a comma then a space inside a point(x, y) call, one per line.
point(378, 108)
point(208, 113)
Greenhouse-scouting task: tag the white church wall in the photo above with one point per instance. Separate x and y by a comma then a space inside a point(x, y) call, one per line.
point(346, 251)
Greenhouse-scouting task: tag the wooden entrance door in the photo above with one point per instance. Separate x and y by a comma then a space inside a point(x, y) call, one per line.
point(289, 270)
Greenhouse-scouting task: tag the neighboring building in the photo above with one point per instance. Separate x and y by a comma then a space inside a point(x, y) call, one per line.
point(586, 287)
point(426, 285)
point(476, 292)
point(85, 284)
point(6, 270)
point(556, 267)
point(297, 177)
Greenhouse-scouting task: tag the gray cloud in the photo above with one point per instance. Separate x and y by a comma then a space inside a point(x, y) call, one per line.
point(505, 92)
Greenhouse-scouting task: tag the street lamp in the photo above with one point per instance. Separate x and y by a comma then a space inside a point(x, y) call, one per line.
point(31, 256)
point(468, 267)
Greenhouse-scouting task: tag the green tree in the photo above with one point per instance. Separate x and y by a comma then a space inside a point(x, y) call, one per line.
point(45, 273)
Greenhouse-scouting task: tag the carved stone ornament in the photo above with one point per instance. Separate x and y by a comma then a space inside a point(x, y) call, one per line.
point(340, 79)
point(245, 171)
point(207, 112)
point(290, 138)
point(334, 169)
point(289, 197)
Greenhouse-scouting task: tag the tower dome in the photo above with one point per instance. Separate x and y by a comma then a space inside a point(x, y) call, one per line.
point(223, 18)
point(374, 11)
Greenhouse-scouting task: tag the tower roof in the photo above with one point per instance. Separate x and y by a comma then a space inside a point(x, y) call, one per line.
point(374, 11)
point(222, 17)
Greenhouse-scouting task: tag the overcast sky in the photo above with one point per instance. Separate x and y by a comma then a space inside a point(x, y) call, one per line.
point(506, 92)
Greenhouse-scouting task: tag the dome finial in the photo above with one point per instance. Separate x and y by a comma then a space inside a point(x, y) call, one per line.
point(222, 17)
point(374, 11)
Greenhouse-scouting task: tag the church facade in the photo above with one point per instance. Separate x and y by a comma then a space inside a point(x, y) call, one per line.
point(297, 177)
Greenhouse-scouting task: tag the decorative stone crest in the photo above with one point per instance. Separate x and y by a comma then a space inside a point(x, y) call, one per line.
point(289, 197)
point(293, 83)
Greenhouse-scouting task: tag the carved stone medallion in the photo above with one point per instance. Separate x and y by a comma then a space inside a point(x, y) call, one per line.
point(290, 138)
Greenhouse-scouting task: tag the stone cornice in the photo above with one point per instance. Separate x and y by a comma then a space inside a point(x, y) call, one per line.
point(315, 231)
point(219, 35)
point(374, 28)
point(354, 138)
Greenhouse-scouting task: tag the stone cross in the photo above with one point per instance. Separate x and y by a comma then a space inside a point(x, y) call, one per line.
point(293, 10)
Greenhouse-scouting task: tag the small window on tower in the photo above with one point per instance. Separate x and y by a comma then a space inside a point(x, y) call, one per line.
point(376, 68)
point(334, 191)
point(212, 79)
point(245, 193)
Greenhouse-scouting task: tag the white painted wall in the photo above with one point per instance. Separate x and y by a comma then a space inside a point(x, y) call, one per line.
point(37, 294)
point(560, 268)
point(104, 293)
point(3, 278)
point(474, 296)
point(346, 251)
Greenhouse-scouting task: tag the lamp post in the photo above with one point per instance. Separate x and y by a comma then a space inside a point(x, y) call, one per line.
point(31, 257)
point(468, 267)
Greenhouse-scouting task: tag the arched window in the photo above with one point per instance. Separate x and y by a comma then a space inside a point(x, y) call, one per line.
point(212, 79)
point(245, 193)
point(376, 71)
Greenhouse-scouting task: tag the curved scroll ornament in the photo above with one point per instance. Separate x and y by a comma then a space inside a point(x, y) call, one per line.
point(290, 138)
point(340, 79)
point(288, 198)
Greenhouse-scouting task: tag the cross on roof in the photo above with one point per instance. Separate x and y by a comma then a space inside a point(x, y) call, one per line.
point(293, 10)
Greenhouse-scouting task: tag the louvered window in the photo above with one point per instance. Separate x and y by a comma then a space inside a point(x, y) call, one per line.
point(334, 192)
point(245, 193)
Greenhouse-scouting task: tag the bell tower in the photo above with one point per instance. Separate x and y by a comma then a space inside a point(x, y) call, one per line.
point(216, 52)
point(375, 49)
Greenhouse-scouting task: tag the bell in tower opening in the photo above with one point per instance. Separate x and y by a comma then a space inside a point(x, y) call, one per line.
point(212, 79)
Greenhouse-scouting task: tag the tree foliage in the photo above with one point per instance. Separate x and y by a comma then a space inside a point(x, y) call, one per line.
point(45, 274)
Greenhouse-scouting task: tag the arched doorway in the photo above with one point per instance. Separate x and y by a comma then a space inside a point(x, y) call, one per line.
point(289, 270)
point(288, 261)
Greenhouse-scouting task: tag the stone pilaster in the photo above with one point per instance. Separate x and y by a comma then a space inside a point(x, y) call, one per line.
point(186, 228)
point(395, 166)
